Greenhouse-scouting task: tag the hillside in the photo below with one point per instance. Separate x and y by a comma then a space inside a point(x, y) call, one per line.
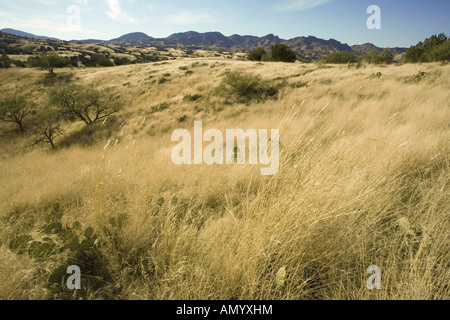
point(363, 180)
point(19, 49)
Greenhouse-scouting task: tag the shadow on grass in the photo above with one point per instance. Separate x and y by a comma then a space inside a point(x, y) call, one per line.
point(92, 134)
point(52, 79)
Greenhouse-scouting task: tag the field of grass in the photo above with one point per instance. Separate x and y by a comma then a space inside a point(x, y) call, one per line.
point(364, 180)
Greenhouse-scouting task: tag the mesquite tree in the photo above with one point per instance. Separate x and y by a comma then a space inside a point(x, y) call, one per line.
point(48, 127)
point(15, 110)
point(76, 102)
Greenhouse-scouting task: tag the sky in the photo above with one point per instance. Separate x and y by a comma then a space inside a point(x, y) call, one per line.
point(403, 22)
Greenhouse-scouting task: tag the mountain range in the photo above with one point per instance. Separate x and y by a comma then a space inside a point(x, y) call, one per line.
point(26, 34)
point(307, 48)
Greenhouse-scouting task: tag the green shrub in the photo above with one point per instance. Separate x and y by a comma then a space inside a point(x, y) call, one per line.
point(257, 54)
point(283, 53)
point(435, 48)
point(440, 52)
point(341, 57)
point(104, 62)
point(245, 86)
point(374, 57)
point(163, 80)
point(5, 61)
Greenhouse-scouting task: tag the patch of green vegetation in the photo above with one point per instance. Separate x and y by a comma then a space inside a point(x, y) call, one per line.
point(245, 87)
point(416, 78)
point(192, 98)
point(377, 75)
point(161, 107)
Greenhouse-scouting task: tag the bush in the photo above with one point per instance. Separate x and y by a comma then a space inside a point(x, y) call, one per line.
point(341, 57)
point(245, 86)
point(104, 62)
point(5, 61)
point(121, 61)
point(257, 54)
point(374, 57)
point(163, 80)
point(439, 53)
point(281, 52)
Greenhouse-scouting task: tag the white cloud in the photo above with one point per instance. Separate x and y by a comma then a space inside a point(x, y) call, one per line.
point(85, 2)
point(45, 24)
point(117, 13)
point(301, 4)
point(189, 17)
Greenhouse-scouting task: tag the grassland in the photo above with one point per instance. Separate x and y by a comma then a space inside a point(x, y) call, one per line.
point(363, 181)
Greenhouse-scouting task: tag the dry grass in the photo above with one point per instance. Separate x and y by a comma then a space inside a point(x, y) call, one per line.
point(362, 182)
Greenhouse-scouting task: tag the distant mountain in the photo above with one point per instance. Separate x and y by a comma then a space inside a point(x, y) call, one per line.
point(25, 34)
point(133, 38)
point(307, 48)
point(367, 47)
point(191, 38)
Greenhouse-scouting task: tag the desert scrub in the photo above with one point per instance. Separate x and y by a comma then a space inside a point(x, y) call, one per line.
point(416, 78)
point(164, 78)
point(245, 87)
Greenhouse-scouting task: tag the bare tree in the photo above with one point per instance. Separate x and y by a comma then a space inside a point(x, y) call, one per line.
point(76, 102)
point(48, 128)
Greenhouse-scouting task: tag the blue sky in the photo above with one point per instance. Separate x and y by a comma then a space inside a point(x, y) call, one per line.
point(403, 22)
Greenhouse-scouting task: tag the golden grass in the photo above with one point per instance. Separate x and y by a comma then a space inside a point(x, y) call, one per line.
point(352, 175)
